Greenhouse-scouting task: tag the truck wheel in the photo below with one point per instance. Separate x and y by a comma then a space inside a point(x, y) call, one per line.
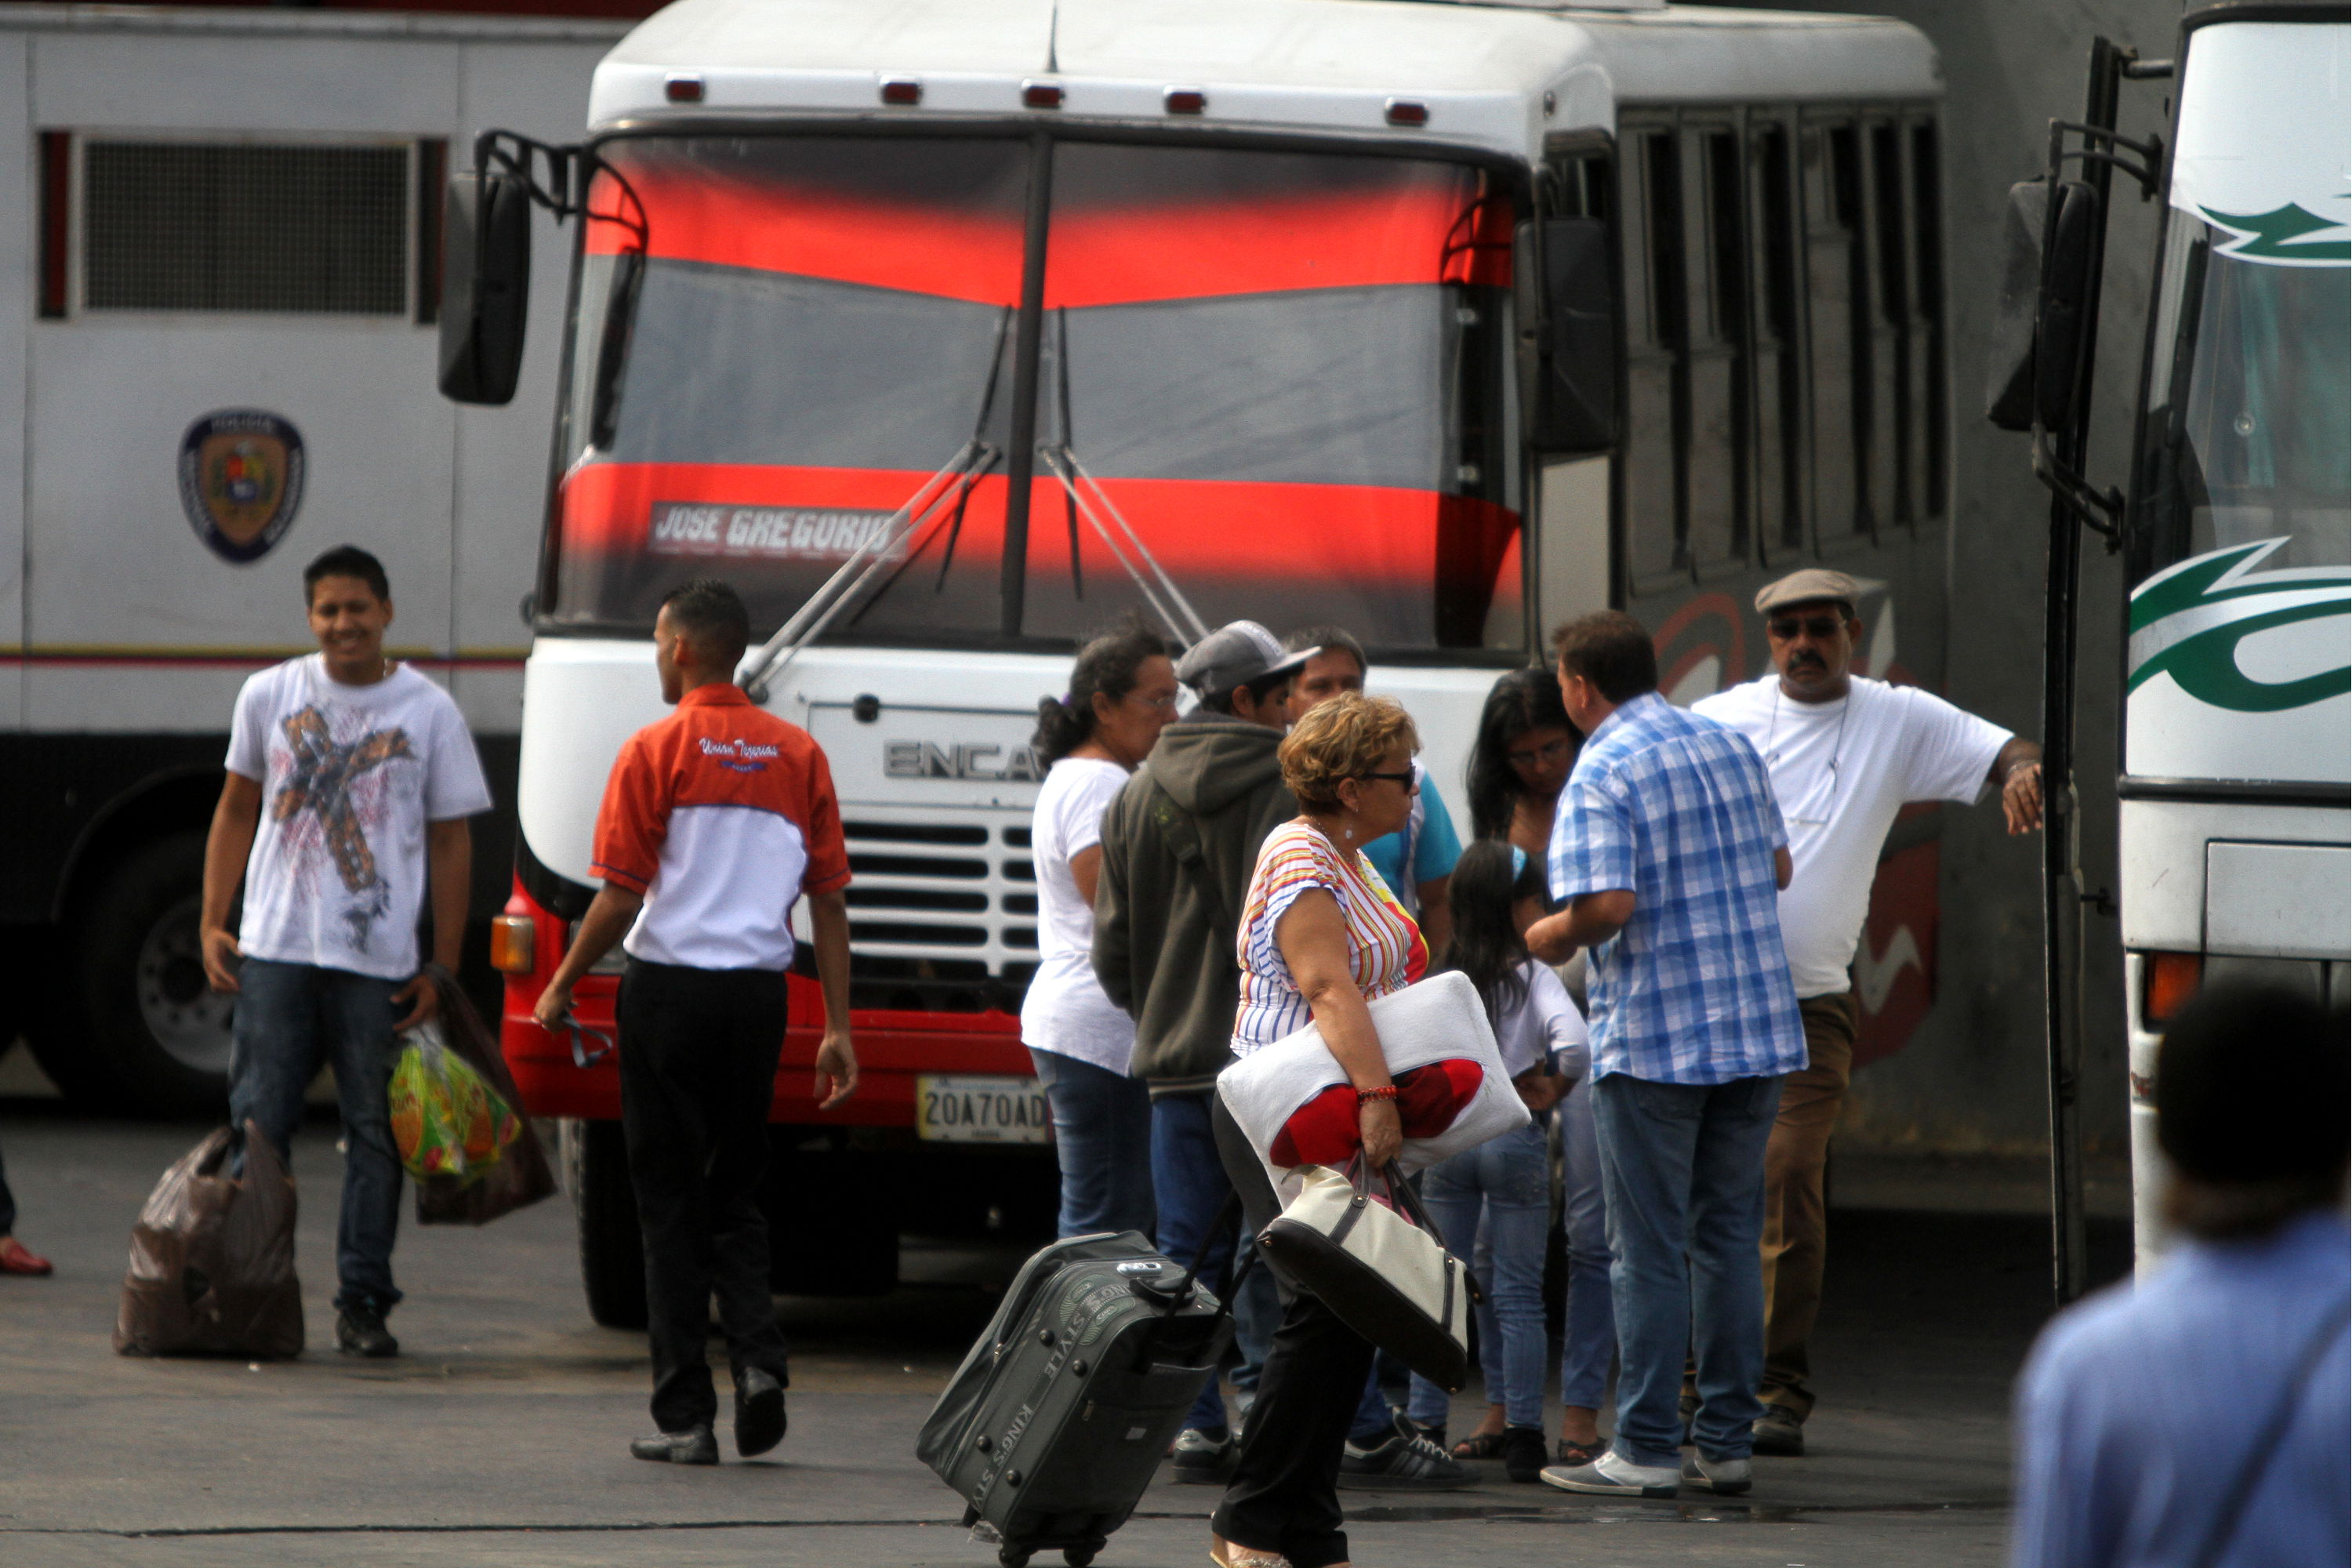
point(847, 1245)
point(134, 1025)
point(612, 1252)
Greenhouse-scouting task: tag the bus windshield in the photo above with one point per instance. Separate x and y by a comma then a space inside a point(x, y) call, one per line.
point(1287, 373)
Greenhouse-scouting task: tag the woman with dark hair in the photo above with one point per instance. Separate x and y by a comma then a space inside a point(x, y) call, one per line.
point(1122, 694)
point(1495, 1199)
point(1519, 760)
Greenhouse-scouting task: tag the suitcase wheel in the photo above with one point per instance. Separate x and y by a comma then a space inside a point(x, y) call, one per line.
point(1079, 1556)
point(1012, 1556)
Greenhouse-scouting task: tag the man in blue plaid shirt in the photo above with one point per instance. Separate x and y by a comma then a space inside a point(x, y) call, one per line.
point(1669, 854)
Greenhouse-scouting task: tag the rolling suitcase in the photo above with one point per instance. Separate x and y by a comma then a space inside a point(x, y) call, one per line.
point(1052, 1426)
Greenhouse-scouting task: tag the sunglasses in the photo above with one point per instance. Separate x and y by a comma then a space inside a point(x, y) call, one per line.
point(1819, 627)
point(1403, 778)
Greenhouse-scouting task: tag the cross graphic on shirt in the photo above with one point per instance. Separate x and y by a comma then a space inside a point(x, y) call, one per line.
point(321, 781)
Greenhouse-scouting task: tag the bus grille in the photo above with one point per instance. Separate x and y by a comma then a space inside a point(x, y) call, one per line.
point(943, 915)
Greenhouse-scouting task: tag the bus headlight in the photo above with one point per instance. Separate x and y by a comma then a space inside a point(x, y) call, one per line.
point(2172, 979)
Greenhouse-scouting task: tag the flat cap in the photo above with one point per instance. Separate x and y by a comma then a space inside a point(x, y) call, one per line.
point(1241, 653)
point(1815, 582)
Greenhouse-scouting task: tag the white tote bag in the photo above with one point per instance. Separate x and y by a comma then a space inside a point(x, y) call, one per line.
point(1440, 1020)
point(1384, 1270)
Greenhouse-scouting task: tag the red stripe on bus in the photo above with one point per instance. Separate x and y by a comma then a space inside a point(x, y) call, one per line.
point(1096, 256)
point(1232, 528)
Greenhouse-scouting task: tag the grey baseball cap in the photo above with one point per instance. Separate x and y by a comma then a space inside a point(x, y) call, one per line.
point(1243, 653)
point(1813, 585)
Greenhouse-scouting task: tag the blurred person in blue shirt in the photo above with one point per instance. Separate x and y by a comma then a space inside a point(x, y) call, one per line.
point(1427, 842)
point(2204, 1419)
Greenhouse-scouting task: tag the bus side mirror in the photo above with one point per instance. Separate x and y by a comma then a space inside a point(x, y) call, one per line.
point(485, 287)
point(2035, 363)
point(1567, 339)
point(2058, 329)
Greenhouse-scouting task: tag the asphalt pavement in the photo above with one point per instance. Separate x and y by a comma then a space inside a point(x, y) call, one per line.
point(499, 1437)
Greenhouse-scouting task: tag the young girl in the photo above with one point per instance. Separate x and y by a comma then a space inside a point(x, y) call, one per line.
point(1504, 1187)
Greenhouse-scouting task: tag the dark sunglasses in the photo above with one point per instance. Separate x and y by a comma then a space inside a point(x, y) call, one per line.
point(1403, 778)
point(1821, 627)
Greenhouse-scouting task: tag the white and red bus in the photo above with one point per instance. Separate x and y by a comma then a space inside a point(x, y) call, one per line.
point(950, 330)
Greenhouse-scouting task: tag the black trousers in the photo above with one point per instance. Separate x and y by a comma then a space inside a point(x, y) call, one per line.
point(7, 1205)
point(1285, 1492)
point(698, 1049)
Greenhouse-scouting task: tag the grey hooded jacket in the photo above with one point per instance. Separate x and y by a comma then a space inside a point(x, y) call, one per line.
point(1179, 846)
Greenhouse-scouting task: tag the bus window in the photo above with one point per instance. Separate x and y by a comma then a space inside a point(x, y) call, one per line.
point(1650, 187)
point(1779, 421)
point(1832, 284)
point(1714, 412)
point(1894, 458)
point(1928, 313)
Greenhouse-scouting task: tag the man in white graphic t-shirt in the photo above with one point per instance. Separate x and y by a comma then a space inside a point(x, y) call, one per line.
point(349, 781)
point(1845, 754)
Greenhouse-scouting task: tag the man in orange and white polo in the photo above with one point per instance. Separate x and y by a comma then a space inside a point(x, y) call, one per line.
point(715, 822)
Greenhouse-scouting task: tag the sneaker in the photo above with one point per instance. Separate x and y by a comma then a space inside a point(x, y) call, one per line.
point(1403, 1461)
point(1523, 1453)
point(694, 1446)
point(760, 1419)
point(1204, 1458)
point(1613, 1475)
point(1725, 1478)
point(1780, 1432)
point(359, 1331)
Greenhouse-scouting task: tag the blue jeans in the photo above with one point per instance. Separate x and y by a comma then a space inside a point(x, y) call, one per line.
point(1591, 1340)
point(1188, 1181)
point(1102, 1138)
point(1683, 1167)
point(289, 1018)
point(1507, 1183)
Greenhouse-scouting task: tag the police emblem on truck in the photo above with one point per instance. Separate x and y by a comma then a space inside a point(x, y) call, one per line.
point(241, 473)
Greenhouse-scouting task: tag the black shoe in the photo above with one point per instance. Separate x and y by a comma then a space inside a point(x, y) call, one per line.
point(1403, 1461)
point(760, 1417)
point(359, 1331)
point(1523, 1454)
point(695, 1445)
point(1779, 1433)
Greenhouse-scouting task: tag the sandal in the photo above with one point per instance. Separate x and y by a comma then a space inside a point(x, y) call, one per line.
point(1568, 1453)
point(1480, 1446)
point(1227, 1554)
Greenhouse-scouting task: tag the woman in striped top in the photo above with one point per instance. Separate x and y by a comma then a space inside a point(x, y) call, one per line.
point(1321, 935)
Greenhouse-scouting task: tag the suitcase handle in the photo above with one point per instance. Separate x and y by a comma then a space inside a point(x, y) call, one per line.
point(1227, 1215)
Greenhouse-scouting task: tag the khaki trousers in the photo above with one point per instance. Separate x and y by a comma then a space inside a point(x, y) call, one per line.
point(1796, 1218)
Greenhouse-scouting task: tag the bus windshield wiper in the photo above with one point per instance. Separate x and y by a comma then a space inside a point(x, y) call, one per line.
point(872, 559)
point(922, 513)
point(1160, 590)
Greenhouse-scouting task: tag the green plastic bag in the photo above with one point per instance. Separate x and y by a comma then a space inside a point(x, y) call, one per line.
point(450, 1124)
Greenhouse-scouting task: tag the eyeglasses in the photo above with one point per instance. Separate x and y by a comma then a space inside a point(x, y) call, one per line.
point(1549, 752)
point(1403, 778)
point(1819, 627)
point(1156, 704)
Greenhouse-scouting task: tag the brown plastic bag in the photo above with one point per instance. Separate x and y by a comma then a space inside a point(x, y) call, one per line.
point(522, 1175)
point(212, 1258)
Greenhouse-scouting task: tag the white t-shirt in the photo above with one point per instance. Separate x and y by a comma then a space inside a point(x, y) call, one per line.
point(1545, 1022)
point(1067, 1011)
point(350, 776)
point(1840, 772)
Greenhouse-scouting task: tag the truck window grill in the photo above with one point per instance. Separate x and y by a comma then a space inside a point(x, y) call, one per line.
point(1019, 903)
point(1019, 871)
point(907, 932)
point(861, 897)
point(245, 227)
point(916, 866)
point(921, 833)
point(1016, 837)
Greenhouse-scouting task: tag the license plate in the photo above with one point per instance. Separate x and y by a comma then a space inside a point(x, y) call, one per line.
point(957, 1109)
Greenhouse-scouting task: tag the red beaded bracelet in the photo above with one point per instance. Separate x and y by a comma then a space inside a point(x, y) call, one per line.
point(1366, 1096)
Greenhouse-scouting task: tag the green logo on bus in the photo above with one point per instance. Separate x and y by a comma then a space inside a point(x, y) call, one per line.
point(2186, 622)
point(2283, 234)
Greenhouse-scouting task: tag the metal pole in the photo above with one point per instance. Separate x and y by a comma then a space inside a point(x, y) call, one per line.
point(2062, 921)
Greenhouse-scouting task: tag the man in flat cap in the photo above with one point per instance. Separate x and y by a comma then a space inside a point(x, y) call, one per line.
point(1845, 754)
